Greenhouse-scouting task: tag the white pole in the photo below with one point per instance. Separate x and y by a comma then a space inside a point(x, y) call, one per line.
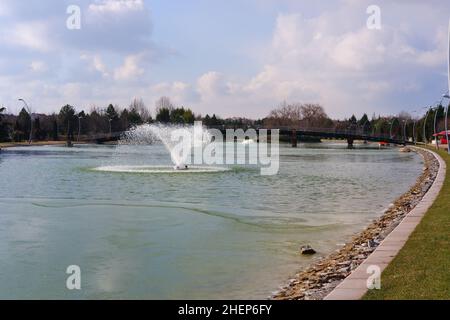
point(446, 110)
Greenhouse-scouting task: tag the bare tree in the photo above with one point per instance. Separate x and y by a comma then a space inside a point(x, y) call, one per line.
point(164, 103)
point(313, 115)
point(296, 115)
point(139, 107)
point(285, 115)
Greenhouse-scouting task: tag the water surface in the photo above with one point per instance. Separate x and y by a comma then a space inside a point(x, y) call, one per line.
point(226, 234)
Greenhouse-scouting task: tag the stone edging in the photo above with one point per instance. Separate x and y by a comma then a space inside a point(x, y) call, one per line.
point(319, 279)
point(354, 287)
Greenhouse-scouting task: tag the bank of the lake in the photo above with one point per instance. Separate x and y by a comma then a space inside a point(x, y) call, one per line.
point(4, 145)
point(421, 269)
point(323, 276)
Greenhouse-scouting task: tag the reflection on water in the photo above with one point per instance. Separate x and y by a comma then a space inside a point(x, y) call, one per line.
point(224, 234)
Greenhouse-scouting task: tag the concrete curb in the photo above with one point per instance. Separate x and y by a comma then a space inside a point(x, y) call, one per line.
point(354, 287)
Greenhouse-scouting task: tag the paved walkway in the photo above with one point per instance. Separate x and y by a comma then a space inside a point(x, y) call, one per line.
point(354, 287)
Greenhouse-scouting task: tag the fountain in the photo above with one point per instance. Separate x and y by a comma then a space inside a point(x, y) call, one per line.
point(178, 140)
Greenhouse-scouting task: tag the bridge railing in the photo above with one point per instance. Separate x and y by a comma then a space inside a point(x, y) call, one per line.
point(359, 132)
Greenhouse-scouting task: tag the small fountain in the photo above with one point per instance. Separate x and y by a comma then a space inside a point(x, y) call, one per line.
point(152, 133)
point(178, 140)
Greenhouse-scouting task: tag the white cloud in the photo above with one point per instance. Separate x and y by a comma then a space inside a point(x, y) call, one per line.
point(116, 6)
point(31, 35)
point(180, 92)
point(130, 68)
point(96, 64)
point(38, 66)
point(325, 54)
point(346, 69)
point(211, 85)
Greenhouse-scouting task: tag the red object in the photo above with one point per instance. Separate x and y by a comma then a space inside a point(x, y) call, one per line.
point(441, 134)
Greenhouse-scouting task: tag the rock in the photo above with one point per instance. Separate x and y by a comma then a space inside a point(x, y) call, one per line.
point(307, 250)
point(343, 270)
point(372, 243)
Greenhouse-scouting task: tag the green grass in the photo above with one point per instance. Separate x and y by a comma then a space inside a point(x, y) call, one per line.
point(422, 268)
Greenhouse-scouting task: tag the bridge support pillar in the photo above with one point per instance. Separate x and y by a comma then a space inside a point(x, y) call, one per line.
point(350, 143)
point(294, 138)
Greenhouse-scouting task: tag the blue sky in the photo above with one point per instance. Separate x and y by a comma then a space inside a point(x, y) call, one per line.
point(232, 58)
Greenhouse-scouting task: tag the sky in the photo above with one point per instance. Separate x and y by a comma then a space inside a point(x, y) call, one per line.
point(230, 58)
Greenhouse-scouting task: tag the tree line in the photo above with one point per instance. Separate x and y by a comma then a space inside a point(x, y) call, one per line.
point(297, 115)
point(71, 123)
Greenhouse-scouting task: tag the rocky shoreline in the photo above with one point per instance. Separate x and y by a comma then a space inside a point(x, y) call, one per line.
point(318, 280)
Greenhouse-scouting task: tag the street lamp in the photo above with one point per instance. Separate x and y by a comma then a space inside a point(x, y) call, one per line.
point(390, 130)
point(79, 127)
point(446, 122)
point(31, 119)
point(414, 132)
point(434, 125)
point(364, 126)
point(404, 130)
point(425, 140)
point(110, 127)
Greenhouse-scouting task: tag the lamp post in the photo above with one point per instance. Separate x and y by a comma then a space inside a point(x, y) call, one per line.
point(110, 127)
point(446, 120)
point(447, 95)
point(434, 125)
point(79, 127)
point(405, 122)
point(390, 130)
point(31, 119)
point(364, 127)
point(425, 126)
point(448, 92)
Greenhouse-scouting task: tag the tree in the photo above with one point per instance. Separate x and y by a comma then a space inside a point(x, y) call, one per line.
point(111, 113)
point(134, 118)
point(23, 125)
point(314, 115)
point(285, 115)
point(364, 123)
point(188, 116)
point(164, 109)
point(67, 118)
point(112, 116)
point(364, 120)
point(207, 120)
point(164, 102)
point(214, 120)
point(3, 126)
point(55, 130)
point(296, 115)
point(124, 120)
point(138, 107)
point(163, 115)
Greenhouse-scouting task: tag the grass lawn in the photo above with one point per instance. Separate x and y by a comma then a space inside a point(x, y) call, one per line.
point(422, 268)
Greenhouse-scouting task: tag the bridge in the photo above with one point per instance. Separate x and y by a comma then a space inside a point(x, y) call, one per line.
point(350, 135)
point(295, 135)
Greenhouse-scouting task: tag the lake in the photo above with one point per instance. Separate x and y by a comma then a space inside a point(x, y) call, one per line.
point(226, 234)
